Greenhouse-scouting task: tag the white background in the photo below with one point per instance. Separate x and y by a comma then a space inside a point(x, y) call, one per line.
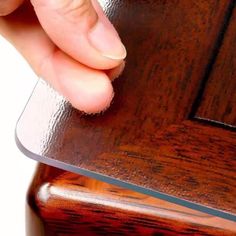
point(16, 170)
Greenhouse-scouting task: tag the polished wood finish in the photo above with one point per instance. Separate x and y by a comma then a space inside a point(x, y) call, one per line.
point(64, 203)
point(148, 140)
point(219, 99)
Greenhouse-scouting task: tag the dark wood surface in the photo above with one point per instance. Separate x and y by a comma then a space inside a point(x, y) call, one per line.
point(147, 141)
point(63, 203)
point(219, 99)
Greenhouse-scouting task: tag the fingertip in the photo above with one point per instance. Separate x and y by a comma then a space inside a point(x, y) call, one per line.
point(88, 90)
point(7, 7)
point(94, 97)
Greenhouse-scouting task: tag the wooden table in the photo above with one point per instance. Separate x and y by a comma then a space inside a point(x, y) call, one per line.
point(168, 140)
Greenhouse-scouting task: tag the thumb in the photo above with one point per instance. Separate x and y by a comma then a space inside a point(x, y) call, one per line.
point(80, 28)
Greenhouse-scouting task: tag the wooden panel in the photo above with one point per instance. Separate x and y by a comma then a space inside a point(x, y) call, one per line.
point(143, 141)
point(70, 204)
point(171, 164)
point(219, 98)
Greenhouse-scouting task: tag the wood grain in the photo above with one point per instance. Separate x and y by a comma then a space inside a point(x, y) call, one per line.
point(218, 102)
point(143, 142)
point(69, 204)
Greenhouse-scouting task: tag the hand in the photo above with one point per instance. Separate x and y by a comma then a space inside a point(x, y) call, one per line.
point(69, 43)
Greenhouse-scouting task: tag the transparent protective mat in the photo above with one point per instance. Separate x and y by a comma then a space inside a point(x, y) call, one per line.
point(52, 132)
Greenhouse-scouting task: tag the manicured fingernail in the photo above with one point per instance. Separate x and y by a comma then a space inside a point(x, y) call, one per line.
point(107, 42)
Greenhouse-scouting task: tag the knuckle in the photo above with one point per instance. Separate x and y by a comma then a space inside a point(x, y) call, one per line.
point(75, 7)
point(78, 12)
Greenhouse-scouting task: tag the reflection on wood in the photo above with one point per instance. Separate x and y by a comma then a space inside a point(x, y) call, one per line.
point(70, 204)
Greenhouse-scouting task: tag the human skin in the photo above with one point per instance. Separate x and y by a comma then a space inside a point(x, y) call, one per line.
point(69, 43)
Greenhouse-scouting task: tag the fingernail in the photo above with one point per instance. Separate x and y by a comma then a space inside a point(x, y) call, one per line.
point(116, 72)
point(105, 39)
